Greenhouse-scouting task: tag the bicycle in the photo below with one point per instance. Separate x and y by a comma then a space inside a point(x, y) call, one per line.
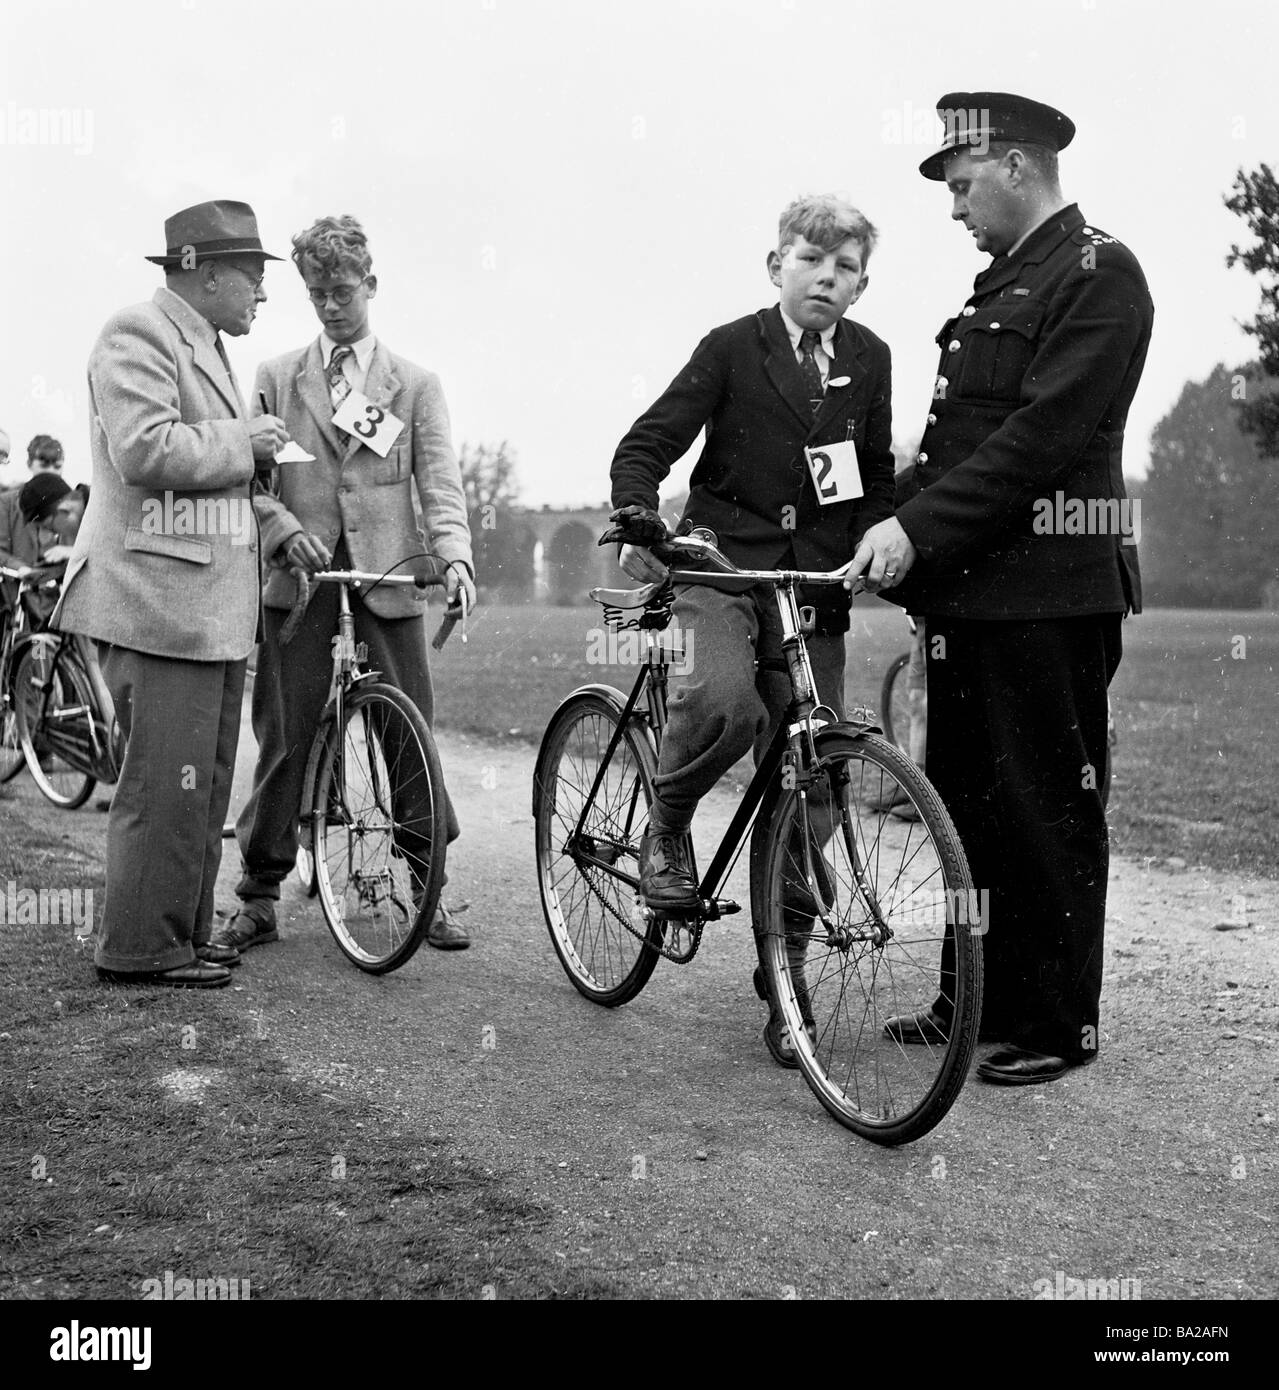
point(63, 717)
point(372, 827)
point(894, 699)
point(859, 916)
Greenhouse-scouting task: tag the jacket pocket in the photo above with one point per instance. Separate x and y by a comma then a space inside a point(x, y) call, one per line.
point(998, 348)
point(177, 547)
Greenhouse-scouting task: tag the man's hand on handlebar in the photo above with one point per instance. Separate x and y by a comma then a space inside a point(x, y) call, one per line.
point(307, 553)
point(883, 558)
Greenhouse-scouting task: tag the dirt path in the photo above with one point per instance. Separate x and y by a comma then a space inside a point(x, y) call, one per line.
point(672, 1158)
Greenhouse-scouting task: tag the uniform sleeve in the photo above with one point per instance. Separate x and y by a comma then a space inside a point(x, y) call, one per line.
point(1094, 327)
point(438, 477)
point(666, 431)
point(133, 381)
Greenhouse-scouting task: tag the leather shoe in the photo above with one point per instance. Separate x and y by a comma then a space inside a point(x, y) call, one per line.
point(667, 884)
point(776, 1031)
point(218, 955)
point(1018, 1066)
point(445, 932)
point(921, 1027)
point(252, 925)
point(198, 975)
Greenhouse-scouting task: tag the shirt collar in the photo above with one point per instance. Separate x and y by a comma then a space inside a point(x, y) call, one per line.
point(363, 350)
point(795, 331)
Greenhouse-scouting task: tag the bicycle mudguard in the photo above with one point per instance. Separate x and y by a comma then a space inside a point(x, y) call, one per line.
point(849, 728)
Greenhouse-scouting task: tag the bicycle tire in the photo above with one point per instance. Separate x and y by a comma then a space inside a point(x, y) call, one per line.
point(53, 704)
point(12, 760)
point(378, 891)
point(584, 901)
point(896, 722)
point(836, 988)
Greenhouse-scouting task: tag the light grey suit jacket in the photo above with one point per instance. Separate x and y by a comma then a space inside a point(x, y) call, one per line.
point(166, 561)
point(350, 489)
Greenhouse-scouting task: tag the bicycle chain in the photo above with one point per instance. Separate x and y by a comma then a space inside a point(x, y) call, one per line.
point(669, 951)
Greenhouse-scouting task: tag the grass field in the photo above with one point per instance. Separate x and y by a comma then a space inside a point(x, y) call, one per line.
point(1196, 703)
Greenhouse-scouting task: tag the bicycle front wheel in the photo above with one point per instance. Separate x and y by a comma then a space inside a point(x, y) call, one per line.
point(867, 917)
point(589, 812)
point(53, 712)
point(378, 828)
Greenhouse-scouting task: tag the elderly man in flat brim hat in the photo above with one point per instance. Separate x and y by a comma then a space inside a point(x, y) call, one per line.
point(173, 605)
point(1023, 604)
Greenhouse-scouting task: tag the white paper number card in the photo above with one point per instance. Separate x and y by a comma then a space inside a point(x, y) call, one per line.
point(836, 475)
point(369, 423)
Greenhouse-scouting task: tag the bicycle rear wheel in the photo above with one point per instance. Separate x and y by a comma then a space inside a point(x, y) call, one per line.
point(53, 712)
point(378, 828)
point(894, 703)
point(875, 919)
point(589, 815)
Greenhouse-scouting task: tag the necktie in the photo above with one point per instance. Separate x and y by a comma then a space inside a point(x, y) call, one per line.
point(808, 368)
point(339, 386)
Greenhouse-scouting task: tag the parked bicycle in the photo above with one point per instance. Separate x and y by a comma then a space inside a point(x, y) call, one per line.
point(372, 816)
point(861, 916)
point(57, 706)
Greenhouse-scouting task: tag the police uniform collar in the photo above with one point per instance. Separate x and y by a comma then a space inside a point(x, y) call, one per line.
point(1063, 223)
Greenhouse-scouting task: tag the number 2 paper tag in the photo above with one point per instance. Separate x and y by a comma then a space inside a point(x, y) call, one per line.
point(369, 423)
point(836, 475)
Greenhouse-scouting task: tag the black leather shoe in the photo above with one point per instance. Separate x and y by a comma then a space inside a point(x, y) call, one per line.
point(252, 925)
point(1018, 1066)
point(198, 975)
point(218, 955)
point(446, 933)
point(922, 1027)
point(667, 884)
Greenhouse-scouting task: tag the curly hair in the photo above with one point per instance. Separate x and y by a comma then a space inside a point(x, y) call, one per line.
point(826, 221)
point(331, 245)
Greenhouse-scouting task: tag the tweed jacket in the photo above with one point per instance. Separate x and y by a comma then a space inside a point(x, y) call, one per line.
point(166, 561)
point(350, 490)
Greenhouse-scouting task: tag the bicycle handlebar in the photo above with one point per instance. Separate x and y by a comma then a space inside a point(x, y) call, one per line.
point(716, 570)
point(356, 579)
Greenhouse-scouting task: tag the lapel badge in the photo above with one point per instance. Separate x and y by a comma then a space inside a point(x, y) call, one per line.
point(838, 381)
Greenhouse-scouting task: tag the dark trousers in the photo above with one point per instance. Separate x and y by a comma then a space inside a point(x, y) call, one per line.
point(181, 720)
point(289, 694)
point(1016, 749)
point(721, 707)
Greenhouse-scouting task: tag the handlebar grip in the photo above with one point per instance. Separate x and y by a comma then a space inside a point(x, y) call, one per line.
point(452, 616)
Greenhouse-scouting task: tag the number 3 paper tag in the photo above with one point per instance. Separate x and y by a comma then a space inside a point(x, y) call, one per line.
point(369, 423)
point(835, 473)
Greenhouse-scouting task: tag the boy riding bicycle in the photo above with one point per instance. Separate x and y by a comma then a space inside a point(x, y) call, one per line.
point(798, 463)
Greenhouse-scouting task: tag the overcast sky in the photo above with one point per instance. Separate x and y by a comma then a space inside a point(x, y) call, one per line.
point(562, 198)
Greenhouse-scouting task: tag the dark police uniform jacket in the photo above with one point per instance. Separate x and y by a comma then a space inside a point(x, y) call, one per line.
point(1036, 376)
point(751, 485)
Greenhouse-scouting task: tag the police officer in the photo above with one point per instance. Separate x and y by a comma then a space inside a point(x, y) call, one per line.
point(1013, 547)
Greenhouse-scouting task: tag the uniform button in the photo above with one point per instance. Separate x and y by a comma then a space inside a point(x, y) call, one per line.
point(994, 326)
point(969, 311)
point(921, 458)
point(333, 530)
point(954, 345)
point(932, 419)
